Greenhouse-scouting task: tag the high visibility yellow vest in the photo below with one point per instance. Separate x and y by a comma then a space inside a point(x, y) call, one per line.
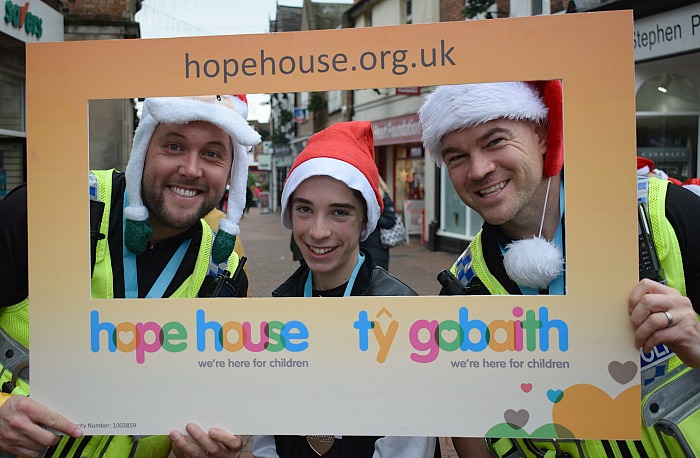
point(102, 280)
point(676, 381)
point(14, 334)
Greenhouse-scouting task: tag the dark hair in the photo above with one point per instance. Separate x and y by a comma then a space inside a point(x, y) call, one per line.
point(359, 197)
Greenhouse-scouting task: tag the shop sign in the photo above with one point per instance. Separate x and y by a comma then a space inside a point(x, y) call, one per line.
point(301, 114)
point(264, 161)
point(412, 90)
point(668, 33)
point(404, 129)
point(267, 147)
point(20, 17)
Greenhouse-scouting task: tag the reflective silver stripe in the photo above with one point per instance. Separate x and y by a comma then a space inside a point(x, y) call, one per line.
point(678, 397)
point(12, 355)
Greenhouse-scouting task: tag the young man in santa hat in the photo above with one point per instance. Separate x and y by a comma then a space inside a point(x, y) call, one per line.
point(185, 150)
point(501, 144)
point(331, 201)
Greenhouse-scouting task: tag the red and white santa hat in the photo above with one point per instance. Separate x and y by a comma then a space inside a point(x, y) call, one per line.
point(228, 112)
point(644, 166)
point(534, 262)
point(344, 151)
point(456, 107)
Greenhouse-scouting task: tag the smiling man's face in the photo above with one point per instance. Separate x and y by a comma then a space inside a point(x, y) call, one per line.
point(496, 169)
point(185, 174)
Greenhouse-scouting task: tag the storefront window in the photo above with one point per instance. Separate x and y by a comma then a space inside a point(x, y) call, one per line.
point(409, 183)
point(457, 219)
point(667, 124)
point(11, 102)
point(409, 176)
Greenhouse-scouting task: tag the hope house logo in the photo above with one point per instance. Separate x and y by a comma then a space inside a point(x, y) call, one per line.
point(526, 331)
point(20, 17)
point(232, 336)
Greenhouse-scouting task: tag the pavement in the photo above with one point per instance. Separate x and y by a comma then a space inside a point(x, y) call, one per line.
point(266, 243)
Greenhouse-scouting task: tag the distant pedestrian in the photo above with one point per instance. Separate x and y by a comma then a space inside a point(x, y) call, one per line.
point(387, 220)
point(258, 191)
point(249, 199)
point(296, 252)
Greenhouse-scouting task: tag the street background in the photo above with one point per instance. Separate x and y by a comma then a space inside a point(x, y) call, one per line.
point(266, 243)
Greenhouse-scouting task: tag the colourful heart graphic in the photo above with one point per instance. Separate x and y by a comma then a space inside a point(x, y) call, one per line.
point(516, 419)
point(526, 387)
point(555, 395)
point(622, 372)
point(597, 404)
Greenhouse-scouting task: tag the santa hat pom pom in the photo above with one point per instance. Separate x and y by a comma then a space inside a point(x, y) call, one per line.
point(136, 236)
point(533, 262)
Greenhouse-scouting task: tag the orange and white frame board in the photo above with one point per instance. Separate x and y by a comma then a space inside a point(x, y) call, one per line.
point(545, 366)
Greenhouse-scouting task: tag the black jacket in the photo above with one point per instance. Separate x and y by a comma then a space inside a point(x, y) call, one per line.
point(371, 281)
point(373, 243)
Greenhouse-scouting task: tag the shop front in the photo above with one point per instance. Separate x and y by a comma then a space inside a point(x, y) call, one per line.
point(667, 83)
point(23, 22)
point(401, 162)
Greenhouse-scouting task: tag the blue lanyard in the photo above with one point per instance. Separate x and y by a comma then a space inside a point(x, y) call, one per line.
point(131, 282)
point(308, 287)
point(556, 287)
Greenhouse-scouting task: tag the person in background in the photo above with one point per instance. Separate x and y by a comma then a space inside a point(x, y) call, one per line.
point(331, 201)
point(185, 150)
point(258, 190)
point(296, 252)
point(387, 219)
point(692, 184)
point(502, 146)
point(249, 199)
point(645, 167)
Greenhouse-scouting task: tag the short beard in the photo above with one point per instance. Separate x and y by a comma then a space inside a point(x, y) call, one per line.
point(155, 203)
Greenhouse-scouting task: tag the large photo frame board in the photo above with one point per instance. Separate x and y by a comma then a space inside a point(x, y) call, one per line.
point(407, 386)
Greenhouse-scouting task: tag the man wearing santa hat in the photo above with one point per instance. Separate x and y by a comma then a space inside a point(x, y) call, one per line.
point(155, 244)
point(331, 201)
point(502, 146)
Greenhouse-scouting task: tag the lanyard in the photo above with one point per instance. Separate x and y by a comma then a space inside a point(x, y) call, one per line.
point(131, 282)
point(556, 287)
point(308, 287)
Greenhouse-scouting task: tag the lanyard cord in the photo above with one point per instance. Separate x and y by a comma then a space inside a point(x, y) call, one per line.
point(131, 281)
point(556, 287)
point(308, 287)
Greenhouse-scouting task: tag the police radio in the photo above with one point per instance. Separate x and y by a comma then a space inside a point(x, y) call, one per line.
point(649, 266)
point(226, 284)
point(451, 286)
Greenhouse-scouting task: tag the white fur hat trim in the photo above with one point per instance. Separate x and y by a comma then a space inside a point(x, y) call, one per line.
point(452, 108)
point(227, 112)
point(644, 171)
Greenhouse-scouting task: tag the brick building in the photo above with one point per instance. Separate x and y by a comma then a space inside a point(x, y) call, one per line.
point(112, 122)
